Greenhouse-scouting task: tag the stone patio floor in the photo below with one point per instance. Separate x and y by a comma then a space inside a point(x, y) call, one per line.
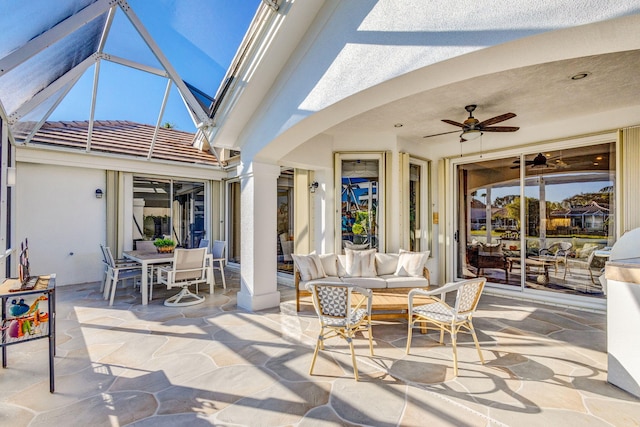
point(215, 364)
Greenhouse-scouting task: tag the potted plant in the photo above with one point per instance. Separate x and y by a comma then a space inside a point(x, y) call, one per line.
point(164, 245)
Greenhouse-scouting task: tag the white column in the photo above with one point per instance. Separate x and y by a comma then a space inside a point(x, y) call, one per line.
point(258, 221)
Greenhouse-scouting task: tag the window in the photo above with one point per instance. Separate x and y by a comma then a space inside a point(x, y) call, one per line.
point(541, 220)
point(360, 177)
point(170, 209)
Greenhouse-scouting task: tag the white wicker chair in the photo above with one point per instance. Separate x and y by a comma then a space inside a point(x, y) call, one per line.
point(341, 316)
point(445, 317)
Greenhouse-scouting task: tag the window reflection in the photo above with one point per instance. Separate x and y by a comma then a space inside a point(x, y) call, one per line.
point(567, 221)
point(359, 204)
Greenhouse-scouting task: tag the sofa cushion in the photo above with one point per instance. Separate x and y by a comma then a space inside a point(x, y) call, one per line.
point(386, 263)
point(361, 263)
point(342, 265)
point(303, 285)
point(411, 263)
point(309, 266)
point(366, 282)
point(329, 264)
point(394, 281)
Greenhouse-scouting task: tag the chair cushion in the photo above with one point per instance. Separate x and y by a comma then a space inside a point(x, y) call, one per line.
point(366, 282)
point(386, 263)
point(361, 263)
point(394, 282)
point(356, 316)
point(309, 266)
point(438, 311)
point(411, 263)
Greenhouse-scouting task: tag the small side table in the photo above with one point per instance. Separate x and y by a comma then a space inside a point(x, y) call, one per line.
point(31, 324)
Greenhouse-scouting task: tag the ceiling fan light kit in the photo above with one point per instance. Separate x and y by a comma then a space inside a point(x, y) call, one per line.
point(472, 128)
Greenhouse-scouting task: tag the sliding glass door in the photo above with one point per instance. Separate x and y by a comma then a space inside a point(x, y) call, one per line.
point(538, 220)
point(166, 208)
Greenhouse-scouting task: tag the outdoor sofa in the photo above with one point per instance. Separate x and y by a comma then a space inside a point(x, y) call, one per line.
point(364, 268)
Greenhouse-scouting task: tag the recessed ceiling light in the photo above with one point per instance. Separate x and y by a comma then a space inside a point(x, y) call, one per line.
point(599, 158)
point(398, 125)
point(580, 76)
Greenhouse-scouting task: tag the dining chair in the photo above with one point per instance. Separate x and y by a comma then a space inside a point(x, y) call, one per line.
point(117, 270)
point(218, 256)
point(204, 243)
point(188, 268)
point(445, 317)
point(107, 265)
point(341, 316)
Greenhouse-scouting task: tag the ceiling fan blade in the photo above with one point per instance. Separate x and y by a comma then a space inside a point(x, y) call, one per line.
point(443, 133)
point(451, 122)
point(501, 129)
point(497, 119)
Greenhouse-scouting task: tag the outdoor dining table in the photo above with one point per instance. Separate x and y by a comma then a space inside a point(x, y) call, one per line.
point(148, 259)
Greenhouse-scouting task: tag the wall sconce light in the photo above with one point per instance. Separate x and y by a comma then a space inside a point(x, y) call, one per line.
point(313, 186)
point(99, 194)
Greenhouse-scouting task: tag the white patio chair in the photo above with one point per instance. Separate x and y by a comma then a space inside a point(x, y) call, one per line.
point(218, 256)
point(584, 264)
point(117, 270)
point(445, 317)
point(339, 317)
point(188, 268)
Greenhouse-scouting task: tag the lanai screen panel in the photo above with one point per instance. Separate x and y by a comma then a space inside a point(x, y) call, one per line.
point(20, 84)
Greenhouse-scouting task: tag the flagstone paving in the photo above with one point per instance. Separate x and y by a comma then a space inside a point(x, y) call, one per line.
point(216, 364)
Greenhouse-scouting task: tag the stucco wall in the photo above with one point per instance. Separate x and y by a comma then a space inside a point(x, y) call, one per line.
point(56, 208)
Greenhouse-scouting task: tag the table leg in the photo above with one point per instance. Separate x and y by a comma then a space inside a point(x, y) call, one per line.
point(144, 282)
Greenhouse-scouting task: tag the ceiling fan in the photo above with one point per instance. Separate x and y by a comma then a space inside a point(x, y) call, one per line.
point(538, 162)
point(473, 128)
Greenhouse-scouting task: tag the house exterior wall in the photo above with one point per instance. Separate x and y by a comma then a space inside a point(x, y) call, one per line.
point(64, 183)
point(62, 218)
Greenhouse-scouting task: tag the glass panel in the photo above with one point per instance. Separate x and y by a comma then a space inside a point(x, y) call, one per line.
point(415, 214)
point(569, 216)
point(28, 19)
point(188, 213)
point(360, 179)
point(199, 41)
point(151, 208)
point(285, 221)
point(23, 82)
point(488, 200)
point(568, 220)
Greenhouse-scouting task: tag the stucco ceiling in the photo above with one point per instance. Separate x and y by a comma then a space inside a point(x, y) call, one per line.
point(537, 94)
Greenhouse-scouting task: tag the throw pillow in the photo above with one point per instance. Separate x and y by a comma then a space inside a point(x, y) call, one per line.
point(309, 266)
point(361, 263)
point(386, 263)
point(329, 264)
point(411, 263)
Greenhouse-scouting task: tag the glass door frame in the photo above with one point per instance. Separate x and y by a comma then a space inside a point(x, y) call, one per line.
point(339, 157)
point(452, 201)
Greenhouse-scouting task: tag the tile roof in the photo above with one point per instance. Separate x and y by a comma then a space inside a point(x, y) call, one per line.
point(119, 137)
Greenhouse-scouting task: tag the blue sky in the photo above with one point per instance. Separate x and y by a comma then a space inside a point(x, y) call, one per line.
point(199, 38)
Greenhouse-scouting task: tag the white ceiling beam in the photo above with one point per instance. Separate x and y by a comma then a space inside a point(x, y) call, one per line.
point(193, 103)
point(135, 65)
point(53, 35)
point(160, 115)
